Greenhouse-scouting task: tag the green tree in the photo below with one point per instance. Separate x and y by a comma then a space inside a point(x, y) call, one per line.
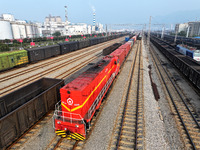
point(182, 33)
point(7, 41)
point(4, 47)
point(57, 33)
point(15, 41)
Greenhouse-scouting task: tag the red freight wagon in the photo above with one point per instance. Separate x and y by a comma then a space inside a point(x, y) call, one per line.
point(120, 54)
point(82, 97)
point(126, 47)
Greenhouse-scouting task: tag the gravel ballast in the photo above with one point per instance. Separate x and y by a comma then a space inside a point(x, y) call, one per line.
point(101, 134)
point(155, 132)
point(155, 137)
point(160, 128)
point(44, 71)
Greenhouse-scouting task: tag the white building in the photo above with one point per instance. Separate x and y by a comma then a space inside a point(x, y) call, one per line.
point(181, 27)
point(75, 29)
point(5, 30)
point(191, 28)
point(8, 17)
point(100, 28)
point(54, 23)
point(89, 29)
point(10, 28)
point(51, 25)
point(16, 29)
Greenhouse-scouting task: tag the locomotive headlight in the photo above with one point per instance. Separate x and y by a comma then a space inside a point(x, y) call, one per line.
point(76, 126)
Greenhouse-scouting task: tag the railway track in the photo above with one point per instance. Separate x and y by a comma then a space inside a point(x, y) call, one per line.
point(56, 143)
point(31, 132)
point(67, 72)
point(17, 73)
point(20, 83)
point(186, 59)
point(129, 131)
point(59, 143)
point(62, 143)
point(184, 115)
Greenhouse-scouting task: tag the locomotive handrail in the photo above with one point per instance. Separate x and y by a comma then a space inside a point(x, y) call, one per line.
point(67, 116)
point(96, 102)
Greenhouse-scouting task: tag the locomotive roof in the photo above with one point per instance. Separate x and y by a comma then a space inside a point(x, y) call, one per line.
point(88, 76)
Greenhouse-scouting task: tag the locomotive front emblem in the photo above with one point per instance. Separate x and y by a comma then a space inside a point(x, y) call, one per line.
point(69, 101)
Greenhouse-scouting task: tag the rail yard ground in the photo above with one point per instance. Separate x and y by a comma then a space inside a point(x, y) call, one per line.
point(150, 119)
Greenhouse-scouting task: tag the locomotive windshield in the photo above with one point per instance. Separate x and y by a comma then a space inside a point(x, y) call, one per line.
point(197, 53)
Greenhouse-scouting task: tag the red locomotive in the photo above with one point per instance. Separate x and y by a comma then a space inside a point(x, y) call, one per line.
point(82, 97)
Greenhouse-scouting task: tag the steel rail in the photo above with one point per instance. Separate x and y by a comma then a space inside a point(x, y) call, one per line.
point(126, 101)
point(175, 106)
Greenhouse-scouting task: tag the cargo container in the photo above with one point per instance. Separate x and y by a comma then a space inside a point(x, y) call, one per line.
point(50, 51)
point(74, 46)
point(84, 43)
point(120, 53)
point(126, 47)
point(68, 47)
point(11, 59)
point(126, 39)
point(23, 107)
point(40, 53)
point(94, 41)
point(110, 49)
point(35, 54)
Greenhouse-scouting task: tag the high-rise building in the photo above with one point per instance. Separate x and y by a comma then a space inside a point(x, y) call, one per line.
point(181, 27)
point(191, 28)
point(194, 29)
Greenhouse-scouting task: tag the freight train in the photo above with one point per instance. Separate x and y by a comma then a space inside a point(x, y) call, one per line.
point(81, 97)
point(192, 52)
point(16, 58)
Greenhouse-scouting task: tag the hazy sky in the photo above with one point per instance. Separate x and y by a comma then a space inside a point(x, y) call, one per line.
point(107, 11)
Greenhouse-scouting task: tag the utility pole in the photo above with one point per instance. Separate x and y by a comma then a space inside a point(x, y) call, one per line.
point(176, 34)
point(163, 32)
point(110, 30)
point(106, 30)
point(144, 26)
point(149, 32)
point(144, 29)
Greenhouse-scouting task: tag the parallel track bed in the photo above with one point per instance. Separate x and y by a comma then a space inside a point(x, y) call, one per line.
point(184, 115)
point(14, 85)
point(129, 132)
point(190, 68)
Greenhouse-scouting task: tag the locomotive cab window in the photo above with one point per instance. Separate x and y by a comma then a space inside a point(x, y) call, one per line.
point(197, 54)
